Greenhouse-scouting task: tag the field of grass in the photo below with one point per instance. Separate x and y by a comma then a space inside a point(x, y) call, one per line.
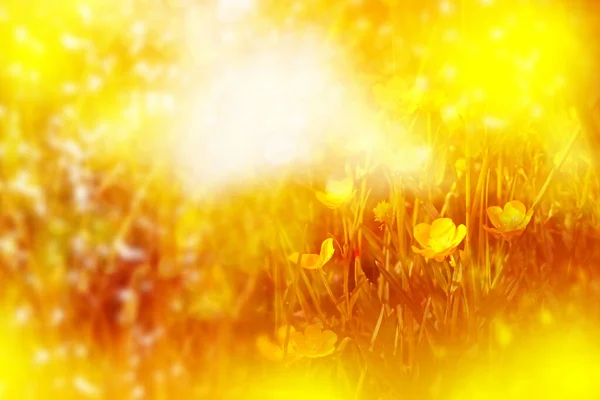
point(304, 199)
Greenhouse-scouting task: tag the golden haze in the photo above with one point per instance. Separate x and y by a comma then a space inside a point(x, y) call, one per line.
point(268, 199)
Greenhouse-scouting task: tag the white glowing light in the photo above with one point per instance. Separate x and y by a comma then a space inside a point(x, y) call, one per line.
point(537, 111)
point(493, 123)
point(232, 10)
point(269, 108)
point(449, 113)
point(407, 159)
point(57, 317)
point(70, 88)
point(138, 29)
point(41, 357)
point(94, 83)
point(421, 83)
point(21, 34)
point(85, 13)
point(22, 315)
point(85, 387)
point(70, 42)
point(130, 253)
point(497, 33)
point(450, 35)
point(386, 30)
point(362, 24)
point(228, 37)
point(138, 392)
point(449, 72)
point(446, 7)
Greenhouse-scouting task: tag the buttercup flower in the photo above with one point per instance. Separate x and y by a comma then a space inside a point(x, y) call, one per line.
point(384, 213)
point(438, 240)
point(274, 351)
point(314, 342)
point(315, 261)
point(510, 221)
point(337, 193)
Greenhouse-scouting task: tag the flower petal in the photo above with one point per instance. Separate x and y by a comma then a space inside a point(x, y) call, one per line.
point(297, 339)
point(312, 333)
point(494, 213)
point(327, 342)
point(461, 232)
point(336, 193)
point(294, 257)
point(327, 200)
point(328, 339)
point(516, 205)
point(430, 253)
point(439, 245)
point(327, 251)
point(493, 231)
point(417, 250)
point(282, 332)
point(440, 257)
point(512, 234)
point(513, 215)
point(311, 261)
point(442, 228)
point(269, 349)
point(427, 253)
point(421, 233)
point(526, 220)
point(342, 188)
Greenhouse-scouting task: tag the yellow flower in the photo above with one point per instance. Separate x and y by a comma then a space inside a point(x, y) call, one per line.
point(438, 240)
point(274, 351)
point(337, 193)
point(384, 213)
point(510, 221)
point(315, 342)
point(315, 261)
point(312, 343)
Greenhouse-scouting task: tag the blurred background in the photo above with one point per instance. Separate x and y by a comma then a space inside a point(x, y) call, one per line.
point(160, 160)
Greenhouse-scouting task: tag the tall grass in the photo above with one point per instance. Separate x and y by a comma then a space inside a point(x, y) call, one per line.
point(117, 280)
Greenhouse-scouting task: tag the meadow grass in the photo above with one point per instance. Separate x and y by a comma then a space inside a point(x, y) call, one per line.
point(453, 256)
